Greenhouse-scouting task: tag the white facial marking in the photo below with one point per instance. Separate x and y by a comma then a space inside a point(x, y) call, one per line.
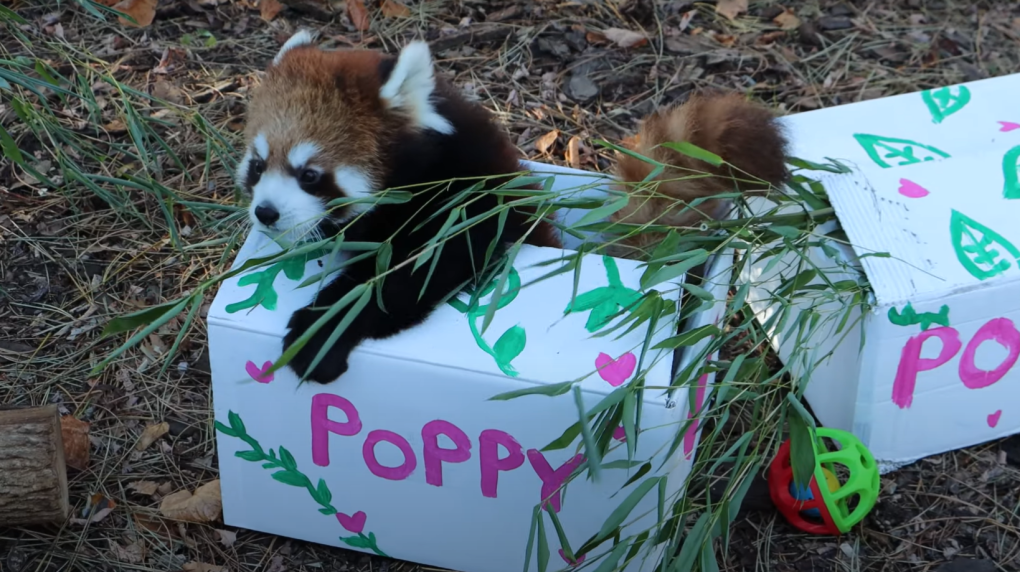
point(301, 153)
point(300, 212)
point(355, 184)
point(410, 88)
point(242, 168)
point(261, 146)
point(301, 38)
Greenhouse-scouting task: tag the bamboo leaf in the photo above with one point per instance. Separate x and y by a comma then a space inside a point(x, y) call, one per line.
point(552, 389)
point(672, 271)
point(603, 212)
point(621, 512)
point(693, 151)
point(610, 562)
point(593, 454)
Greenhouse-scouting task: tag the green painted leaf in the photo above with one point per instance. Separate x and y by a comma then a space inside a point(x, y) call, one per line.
point(287, 459)
point(236, 424)
point(979, 256)
point(324, 493)
point(356, 541)
point(884, 150)
point(252, 456)
point(601, 315)
point(510, 345)
point(551, 390)
point(590, 299)
point(224, 429)
point(942, 102)
point(692, 150)
point(327, 511)
point(290, 478)
point(1011, 173)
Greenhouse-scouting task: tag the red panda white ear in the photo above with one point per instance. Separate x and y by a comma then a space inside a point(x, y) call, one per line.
point(300, 38)
point(410, 85)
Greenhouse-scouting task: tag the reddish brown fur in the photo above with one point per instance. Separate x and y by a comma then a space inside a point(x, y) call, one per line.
point(744, 134)
point(332, 99)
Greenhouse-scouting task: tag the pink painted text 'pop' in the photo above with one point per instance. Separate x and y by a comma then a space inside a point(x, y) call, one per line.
point(999, 330)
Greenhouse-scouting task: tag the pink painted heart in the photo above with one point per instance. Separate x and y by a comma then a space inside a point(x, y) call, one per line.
point(579, 560)
point(259, 374)
point(354, 523)
point(1008, 126)
point(911, 189)
point(615, 371)
point(993, 419)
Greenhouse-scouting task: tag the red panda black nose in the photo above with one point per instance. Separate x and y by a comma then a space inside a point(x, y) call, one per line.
point(267, 214)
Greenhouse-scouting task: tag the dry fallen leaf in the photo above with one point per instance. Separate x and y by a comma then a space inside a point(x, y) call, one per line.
point(143, 11)
point(769, 37)
point(543, 143)
point(358, 14)
point(133, 553)
point(75, 434)
point(203, 506)
point(393, 9)
point(726, 40)
point(625, 38)
point(268, 9)
point(787, 20)
point(151, 433)
point(202, 567)
point(144, 487)
point(574, 152)
point(731, 8)
point(595, 38)
point(227, 537)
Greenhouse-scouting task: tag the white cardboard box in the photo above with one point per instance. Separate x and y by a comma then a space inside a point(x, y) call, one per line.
point(929, 367)
point(406, 455)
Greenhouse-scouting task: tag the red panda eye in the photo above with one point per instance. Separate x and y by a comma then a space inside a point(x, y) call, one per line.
point(309, 177)
point(258, 165)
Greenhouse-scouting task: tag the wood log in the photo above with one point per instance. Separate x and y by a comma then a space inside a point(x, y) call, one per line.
point(33, 477)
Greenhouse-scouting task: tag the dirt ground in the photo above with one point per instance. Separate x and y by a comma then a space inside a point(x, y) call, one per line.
point(559, 79)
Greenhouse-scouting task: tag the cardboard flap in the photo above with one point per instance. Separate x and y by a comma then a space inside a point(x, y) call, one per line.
point(934, 185)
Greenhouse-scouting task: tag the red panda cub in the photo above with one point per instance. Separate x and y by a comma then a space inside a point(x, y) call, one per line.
point(325, 125)
point(746, 135)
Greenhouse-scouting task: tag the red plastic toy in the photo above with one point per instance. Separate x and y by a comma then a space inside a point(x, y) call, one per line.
point(826, 511)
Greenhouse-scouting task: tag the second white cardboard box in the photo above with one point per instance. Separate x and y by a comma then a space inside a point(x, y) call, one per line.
point(927, 365)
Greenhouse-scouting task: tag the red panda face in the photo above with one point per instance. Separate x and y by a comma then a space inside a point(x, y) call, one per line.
point(317, 126)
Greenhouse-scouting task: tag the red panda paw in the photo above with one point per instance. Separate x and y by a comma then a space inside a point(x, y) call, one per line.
point(333, 364)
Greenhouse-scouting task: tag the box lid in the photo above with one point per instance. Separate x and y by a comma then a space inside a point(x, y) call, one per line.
point(934, 185)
